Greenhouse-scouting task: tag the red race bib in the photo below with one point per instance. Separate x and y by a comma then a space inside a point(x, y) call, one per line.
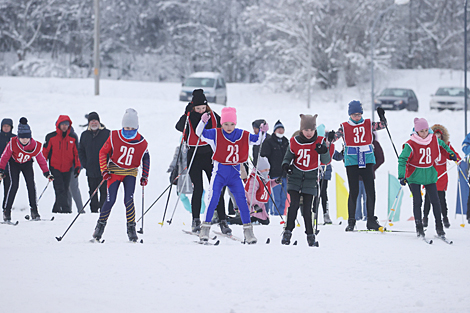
point(356, 135)
point(306, 158)
point(231, 153)
point(127, 154)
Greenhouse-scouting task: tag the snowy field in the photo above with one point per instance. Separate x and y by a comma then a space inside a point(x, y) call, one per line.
point(353, 272)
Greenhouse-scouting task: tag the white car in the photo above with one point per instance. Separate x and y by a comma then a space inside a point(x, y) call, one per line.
point(451, 98)
point(212, 83)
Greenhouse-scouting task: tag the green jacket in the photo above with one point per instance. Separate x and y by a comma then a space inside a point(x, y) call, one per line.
point(420, 176)
point(303, 182)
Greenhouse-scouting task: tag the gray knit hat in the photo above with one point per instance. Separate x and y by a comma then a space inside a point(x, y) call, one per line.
point(308, 121)
point(130, 119)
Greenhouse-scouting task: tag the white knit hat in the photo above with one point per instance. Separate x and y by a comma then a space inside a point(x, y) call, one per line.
point(263, 164)
point(130, 119)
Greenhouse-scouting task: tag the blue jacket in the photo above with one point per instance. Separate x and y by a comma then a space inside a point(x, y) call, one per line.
point(466, 145)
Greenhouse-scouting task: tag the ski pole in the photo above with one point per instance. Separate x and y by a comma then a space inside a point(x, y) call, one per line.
point(390, 136)
point(317, 202)
point(256, 169)
point(461, 202)
point(79, 213)
point(174, 210)
point(43, 192)
point(285, 192)
point(141, 231)
point(393, 208)
point(158, 198)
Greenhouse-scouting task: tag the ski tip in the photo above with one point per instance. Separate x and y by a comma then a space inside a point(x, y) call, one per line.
point(217, 243)
point(340, 222)
point(268, 241)
point(52, 218)
point(141, 241)
point(295, 243)
point(430, 242)
point(27, 217)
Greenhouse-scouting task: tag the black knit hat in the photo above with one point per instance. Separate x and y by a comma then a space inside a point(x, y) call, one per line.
point(93, 116)
point(7, 121)
point(24, 131)
point(198, 97)
point(278, 125)
point(257, 123)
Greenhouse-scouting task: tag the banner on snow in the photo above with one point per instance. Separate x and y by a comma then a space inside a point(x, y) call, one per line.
point(341, 198)
point(394, 198)
point(462, 189)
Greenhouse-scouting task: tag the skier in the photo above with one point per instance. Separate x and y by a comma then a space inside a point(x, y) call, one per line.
point(231, 148)
point(301, 165)
point(441, 167)
point(359, 160)
point(416, 167)
point(325, 176)
point(127, 150)
point(19, 154)
point(203, 159)
point(5, 135)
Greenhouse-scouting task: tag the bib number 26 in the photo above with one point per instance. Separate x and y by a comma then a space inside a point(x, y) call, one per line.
point(126, 156)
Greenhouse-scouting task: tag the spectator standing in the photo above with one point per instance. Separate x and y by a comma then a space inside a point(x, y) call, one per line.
point(6, 133)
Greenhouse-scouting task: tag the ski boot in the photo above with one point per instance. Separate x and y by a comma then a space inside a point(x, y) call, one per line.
point(99, 229)
point(249, 235)
point(215, 218)
point(196, 225)
point(204, 233)
point(445, 220)
point(6, 216)
point(286, 236)
point(327, 219)
point(311, 240)
point(131, 232)
point(425, 221)
point(372, 223)
point(224, 228)
point(440, 230)
point(35, 215)
point(419, 228)
point(351, 225)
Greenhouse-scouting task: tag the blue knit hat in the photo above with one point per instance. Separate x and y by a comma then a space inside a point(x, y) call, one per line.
point(24, 131)
point(355, 106)
point(278, 125)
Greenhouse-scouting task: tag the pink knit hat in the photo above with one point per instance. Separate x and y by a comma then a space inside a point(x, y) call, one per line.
point(228, 115)
point(420, 124)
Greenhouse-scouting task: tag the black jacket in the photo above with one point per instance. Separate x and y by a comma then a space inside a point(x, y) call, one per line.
point(90, 146)
point(256, 149)
point(274, 149)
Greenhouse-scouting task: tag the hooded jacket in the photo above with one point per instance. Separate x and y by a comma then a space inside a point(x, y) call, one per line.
point(61, 149)
point(5, 137)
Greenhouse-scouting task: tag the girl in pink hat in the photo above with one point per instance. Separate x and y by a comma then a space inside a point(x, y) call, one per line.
point(416, 167)
point(231, 147)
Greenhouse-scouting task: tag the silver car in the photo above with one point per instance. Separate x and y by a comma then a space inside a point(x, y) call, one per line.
point(212, 83)
point(451, 98)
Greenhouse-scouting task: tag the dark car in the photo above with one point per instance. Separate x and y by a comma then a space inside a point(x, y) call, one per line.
point(397, 99)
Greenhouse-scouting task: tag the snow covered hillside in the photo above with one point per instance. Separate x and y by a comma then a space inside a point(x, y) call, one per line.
point(354, 272)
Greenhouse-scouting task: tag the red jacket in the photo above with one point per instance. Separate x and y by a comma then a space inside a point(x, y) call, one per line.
point(61, 149)
point(441, 167)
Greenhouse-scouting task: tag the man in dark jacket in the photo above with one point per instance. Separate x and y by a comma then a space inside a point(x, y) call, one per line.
point(274, 148)
point(5, 135)
point(91, 142)
point(61, 149)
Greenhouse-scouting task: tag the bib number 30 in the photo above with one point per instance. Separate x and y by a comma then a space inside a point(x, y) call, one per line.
point(126, 156)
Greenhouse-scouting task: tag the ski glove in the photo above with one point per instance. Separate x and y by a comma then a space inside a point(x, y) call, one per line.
point(287, 168)
point(321, 148)
point(106, 175)
point(278, 180)
point(381, 114)
point(205, 117)
point(403, 181)
point(264, 127)
point(453, 157)
point(76, 172)
point(331, 136)
point(49, 176)
point(144, 181)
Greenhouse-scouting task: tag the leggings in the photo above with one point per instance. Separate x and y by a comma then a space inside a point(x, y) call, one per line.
point(367, 174)
point(113, 186)
point(431, 190)
point(306, 210)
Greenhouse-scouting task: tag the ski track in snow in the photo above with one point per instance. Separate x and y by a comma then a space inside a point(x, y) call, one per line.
point(354, 272)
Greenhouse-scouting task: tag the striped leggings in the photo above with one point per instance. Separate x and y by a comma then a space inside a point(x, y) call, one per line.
point(113, 186)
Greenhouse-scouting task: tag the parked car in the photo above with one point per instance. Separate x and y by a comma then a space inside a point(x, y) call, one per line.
point(397, 99)
point(212, 83)
point(452, 98)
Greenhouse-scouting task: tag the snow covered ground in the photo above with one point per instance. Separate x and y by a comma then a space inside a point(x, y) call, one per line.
point(354, 272)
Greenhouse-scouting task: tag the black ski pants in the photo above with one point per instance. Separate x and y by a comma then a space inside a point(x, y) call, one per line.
point(306, 210)
point(202, 163)
point(431, 190)
point(367, 174)
point(61, 187)
point(6, 185)
point(323, 196)
point(442, 201)
point(93, 183)
point(28, 174)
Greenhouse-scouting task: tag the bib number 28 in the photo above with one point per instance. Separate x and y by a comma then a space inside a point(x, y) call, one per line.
point(126, 156)
point(425, 155)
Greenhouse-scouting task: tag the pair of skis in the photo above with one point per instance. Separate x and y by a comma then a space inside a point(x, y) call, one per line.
point(27, 217)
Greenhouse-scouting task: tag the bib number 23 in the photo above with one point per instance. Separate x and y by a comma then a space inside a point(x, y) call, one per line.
point(233, 156)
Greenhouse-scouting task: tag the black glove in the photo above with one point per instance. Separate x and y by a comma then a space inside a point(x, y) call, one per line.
point(331, 136)
point(189, 108)
point(287, 168)
point(321, 148)
point(453, 157)
point(403, 181)
point(381, 114)
point(76, 171)
point(278, 180)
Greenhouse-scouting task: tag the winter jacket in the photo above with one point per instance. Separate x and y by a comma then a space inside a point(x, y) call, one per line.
point(466, 145)
point(61, 149)
point(255, 150)
point(195, 118)
point(178, 167)
point(91, 143)
point(304, 182)
point(5, 137)
point(274, 149)
point(420, 176)
point(8, 152)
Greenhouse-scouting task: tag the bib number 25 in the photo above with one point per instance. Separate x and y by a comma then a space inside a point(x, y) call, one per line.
point(304, 157)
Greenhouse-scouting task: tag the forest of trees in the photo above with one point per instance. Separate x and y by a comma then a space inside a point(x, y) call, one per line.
point(246, 40)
